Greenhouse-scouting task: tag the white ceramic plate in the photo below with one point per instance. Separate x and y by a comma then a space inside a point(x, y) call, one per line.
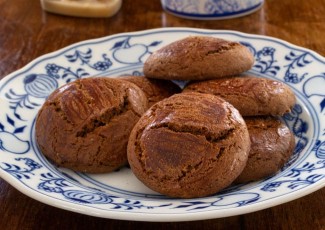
point(119, 195)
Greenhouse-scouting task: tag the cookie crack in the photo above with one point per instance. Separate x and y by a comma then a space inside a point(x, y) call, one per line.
point(202, 131)
point(222, 48)
point(57, 109)
point(104, 118)
point(189, 169)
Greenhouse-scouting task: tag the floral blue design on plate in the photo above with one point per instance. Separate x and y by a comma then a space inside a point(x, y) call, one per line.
point(119, 195)
point(211, 9)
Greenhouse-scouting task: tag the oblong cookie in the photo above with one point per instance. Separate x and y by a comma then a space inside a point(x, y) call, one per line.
point(189, 145)
point(155, 89)
point(198, 58)
point(272, 144)
point(85, 125)
point(251, 95)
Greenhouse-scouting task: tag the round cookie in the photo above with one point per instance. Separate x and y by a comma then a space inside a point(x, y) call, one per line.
point(189, 145)
point(272, 144)
point(155, 89)
point(252, 96)
point(198, 58)
point(85, 125)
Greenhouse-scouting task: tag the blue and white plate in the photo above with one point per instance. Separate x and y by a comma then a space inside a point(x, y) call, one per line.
point(119, 195)
point(211, 9)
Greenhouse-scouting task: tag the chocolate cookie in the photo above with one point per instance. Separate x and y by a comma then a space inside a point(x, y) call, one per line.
point(189, 145)
point(272, 144)
point(85, 125)
point(198, 58)
point(155, 89)
point(252, 96)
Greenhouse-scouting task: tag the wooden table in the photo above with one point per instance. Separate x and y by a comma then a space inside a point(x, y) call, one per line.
point(26, 32)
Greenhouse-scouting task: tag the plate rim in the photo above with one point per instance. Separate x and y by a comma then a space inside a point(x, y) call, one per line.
point(155, 30)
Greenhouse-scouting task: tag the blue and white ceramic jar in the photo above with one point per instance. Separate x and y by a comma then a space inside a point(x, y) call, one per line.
point(211, 9)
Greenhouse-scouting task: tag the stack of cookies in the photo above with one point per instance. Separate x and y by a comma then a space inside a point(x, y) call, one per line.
point(221, 128)
point(260, 101)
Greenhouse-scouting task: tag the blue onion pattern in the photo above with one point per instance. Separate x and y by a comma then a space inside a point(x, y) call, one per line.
point(231, 200)
point(52, 184)
point(85, 59)
point(127, 53)
point(103, 65)
point(65, 73)
point(35, 86)
point(87, 197)
point(210, 7)
point(320, 149)
point(9, 140)
point(227, 6)
point(264, 59)
point(297, 60)
point(299, 128)
point(40, 85)
point(294, 180)
point(52, 68)
point(22, 172)
point(314, 87)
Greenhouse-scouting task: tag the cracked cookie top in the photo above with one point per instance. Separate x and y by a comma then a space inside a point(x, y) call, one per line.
point(189, 145)
point(84, 125)
point(272, 144)
point(198, 58)
point(252, 96)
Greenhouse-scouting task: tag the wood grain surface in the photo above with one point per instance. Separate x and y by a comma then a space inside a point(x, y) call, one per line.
point(27, 32)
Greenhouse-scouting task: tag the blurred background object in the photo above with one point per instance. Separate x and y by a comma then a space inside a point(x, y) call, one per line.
point(211, 9)
point(83, 8)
